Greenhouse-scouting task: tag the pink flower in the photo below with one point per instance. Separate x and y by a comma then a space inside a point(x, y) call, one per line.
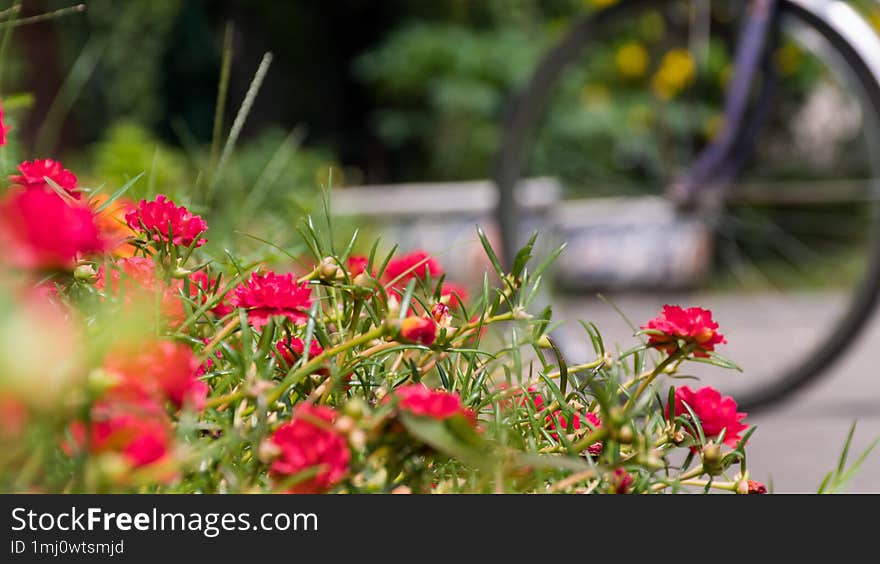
point(39, 230)
point(621, 481)
point(139, 431)
point(418, 330)
point(308, 441)
point(756, 487)
point(693, 325)
point(269, 294)
point(135, 279)
point(457, 294)
point(161, 216)
point(162, 370)
point(34, 173)
point(291, 349)
point(199, 281)
point(436, 404)
point(357, 265)
point(417, 264)
point(715, 412)
point(4, 129)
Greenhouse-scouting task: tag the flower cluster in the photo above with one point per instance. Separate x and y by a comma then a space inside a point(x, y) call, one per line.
point(174, 371)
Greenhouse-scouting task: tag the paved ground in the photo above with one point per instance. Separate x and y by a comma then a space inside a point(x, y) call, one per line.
point(800, 440)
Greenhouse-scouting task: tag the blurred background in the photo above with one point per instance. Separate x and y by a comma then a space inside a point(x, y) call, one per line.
point(398, 105)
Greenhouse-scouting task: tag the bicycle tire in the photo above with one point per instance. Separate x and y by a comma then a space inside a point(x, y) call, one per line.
point(528, 106)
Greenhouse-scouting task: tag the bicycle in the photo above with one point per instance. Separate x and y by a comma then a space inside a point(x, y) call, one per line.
point(805, 239)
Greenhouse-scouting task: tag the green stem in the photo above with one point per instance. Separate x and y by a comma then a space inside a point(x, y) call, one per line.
point(650, 379)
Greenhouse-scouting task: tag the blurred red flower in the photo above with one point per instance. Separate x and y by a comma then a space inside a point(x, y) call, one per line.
point(417, 264)
point(357, 265)
point(694, 325)
point(621, 481)
point(34, 173)
point(436, 404)
point(4, 129)
point(111, 224)
point(268, 294)
point(308, 441)
point(291, 349)
point(420, 330)
point(162, 370)
point(135, 278)
point(457, 294)
point(137, 430)
point(162, 216)
point(756, 487)
point(716, 412)
point(39, 230)
point(199, 281)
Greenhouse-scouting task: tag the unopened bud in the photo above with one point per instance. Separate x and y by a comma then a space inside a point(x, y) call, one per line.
point(712, 458)
point(742, 487)
point(328, 269)
point(355, 408)
point(357, 439)
point(345, 425)
point(85, 273)
point(361, 280)
point(625, 435)
point(268, 451)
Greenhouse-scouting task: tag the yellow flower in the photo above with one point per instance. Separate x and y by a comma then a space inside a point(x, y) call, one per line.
point(600, 3)
point(788, 59)
point(631, 60)
point(676, 72)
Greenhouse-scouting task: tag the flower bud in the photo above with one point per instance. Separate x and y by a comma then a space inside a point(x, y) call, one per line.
point(268, 451)
point(625, 435)
point(357, 439)
point(85, 273)
point(355, 408)
point(345, 425)
point(742, 487)
point(712, 458)
point(361, 280)
point(544, 342)
point(440, 313)
point(328, 269)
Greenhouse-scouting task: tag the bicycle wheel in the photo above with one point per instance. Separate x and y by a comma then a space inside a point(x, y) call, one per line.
point(790, 262)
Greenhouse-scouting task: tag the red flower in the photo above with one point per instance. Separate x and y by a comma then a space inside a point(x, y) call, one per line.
point(357, 265)
point(199, 281)
point(756, 487)
point(34, 174)
point(693, 325)
point(418, 330)
point(436, 404)
point(265, 295)
point(13, 417)
point(417, 264)
point(139, 431)
point(594, 449)
point(291, 350)
point(135, 278)
point(161, 216)
point(4, 129)
point(308, 441)
point(39, 230)
point(621, 481)
point(714, 411)
point(557, 419)
point(457, 294)
point(162, 370)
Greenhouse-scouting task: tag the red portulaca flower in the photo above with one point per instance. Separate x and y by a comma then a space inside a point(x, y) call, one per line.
point(268, 294)
point(457, 294)
point(357, 265)
point(417, 264)
point(693, 325)
point(621, 481)
point(420, 330)
point(139, 431)
point(4, 129)
point(39, 230)
point(436, 404)
point(111, 224)
point(34, 173)
point(135, 278)
point(309, 441)
point(161, 216)
point(756, 487)
point(199, 281)
point(162, 370)
point(716, 412)
point(291, 350)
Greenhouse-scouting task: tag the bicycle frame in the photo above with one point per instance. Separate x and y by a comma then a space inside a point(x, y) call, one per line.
point(751, 54)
